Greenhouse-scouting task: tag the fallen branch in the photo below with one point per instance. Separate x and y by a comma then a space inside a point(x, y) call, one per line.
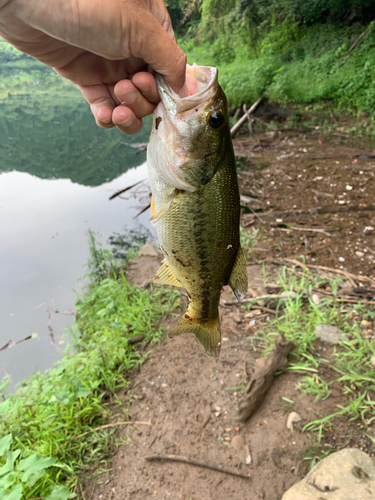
point(342, 155)
point(263, 377)
point(136, 340)
point(117, 193)
point(318, 211)
point(99, 429)
point(306, 267)
point(322, 231)
point(245, 117)
point(358, 41)
point(193, 461)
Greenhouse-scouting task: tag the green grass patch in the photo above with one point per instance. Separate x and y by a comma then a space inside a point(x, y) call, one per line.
point(352, 370)
point(46, 426)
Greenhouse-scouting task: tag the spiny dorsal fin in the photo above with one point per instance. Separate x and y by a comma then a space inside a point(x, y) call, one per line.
point(163, 208)
point(165, 275)
point(238, 278)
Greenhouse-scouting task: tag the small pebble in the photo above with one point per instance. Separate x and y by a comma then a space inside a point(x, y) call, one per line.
point(316, 299)
point(293, 417)
point(373, 361)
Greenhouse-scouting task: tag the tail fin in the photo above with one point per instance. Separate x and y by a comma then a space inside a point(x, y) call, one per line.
point(207, 333)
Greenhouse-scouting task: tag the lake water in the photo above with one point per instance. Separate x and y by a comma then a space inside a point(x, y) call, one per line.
point(57, 172)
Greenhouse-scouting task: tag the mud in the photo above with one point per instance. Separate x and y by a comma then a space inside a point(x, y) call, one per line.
point(191, 401)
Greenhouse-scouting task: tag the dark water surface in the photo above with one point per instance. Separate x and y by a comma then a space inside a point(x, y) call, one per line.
point(57, 171)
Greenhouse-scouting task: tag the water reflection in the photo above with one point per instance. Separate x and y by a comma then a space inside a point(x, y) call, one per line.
point(47, 204)
point(55, 136)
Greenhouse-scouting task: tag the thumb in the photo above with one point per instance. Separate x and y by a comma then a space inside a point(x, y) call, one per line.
point(157, 48)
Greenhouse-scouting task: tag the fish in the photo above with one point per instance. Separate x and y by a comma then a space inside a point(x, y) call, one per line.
point(195, 203)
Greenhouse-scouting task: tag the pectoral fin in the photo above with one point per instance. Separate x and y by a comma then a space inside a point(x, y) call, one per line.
point(152, 206)
point(238, 278)
point(163, 208)
point(165, 276)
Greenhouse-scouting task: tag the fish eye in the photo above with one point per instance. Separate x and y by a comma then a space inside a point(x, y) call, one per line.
point(216, 120)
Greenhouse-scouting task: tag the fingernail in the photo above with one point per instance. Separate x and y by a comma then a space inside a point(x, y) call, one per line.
point(107, 120)
point(145, 89)
point(128, 97)
point(127, 123)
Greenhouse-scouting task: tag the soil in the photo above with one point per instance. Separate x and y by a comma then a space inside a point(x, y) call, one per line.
point(292, 170)
point(191, 401)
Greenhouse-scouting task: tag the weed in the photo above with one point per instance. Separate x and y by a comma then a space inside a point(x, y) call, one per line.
point(350, 360)
point(248, 240)
point(49, 420)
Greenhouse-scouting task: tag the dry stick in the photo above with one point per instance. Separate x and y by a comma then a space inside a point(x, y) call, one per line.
point(293, 228)
point(124, 190)
point(245, 117)
point(319, 211)
point(263, 122)
point(332, 270)
point(193, 461)
point(342, 155)
point(331, 113)
point(263, 377)
point(358, 41)
point(100, 428)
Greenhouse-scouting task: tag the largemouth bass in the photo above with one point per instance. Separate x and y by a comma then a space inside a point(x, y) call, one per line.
point(195, 201)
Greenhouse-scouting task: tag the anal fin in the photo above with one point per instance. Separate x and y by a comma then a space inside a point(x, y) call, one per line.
point(238, 278)
point(165, 275)
point(163, 209)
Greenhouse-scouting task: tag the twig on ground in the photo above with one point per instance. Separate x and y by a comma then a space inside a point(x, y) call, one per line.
point(263, 377)
point(293, 228)
point(331, 113)
point(306, 267)
point(136, 340)
point(245, 117)
point(319, 211)
point(199, 463)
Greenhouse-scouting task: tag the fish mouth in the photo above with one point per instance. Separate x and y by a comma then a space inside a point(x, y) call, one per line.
point(201, 84)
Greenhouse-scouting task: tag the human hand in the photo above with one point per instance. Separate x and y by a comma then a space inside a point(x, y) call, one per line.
point(104, 47)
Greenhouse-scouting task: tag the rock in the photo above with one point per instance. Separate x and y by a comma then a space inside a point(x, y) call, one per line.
point(148, 250)
point(364, 324)
point(293, 417)
point(238, 442)
point(373, 360)
point(345, 475)
point(330, 333)
point(247, 455)
point(315, 298)
point(368, 230)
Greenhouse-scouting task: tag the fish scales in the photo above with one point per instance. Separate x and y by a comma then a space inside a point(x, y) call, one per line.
point(198, 227)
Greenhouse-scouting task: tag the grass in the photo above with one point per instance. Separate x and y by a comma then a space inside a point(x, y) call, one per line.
point(348, 367)
point(47, 416)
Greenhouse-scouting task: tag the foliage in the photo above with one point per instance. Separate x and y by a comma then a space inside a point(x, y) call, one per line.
point(49, 426)
point(291, 49)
